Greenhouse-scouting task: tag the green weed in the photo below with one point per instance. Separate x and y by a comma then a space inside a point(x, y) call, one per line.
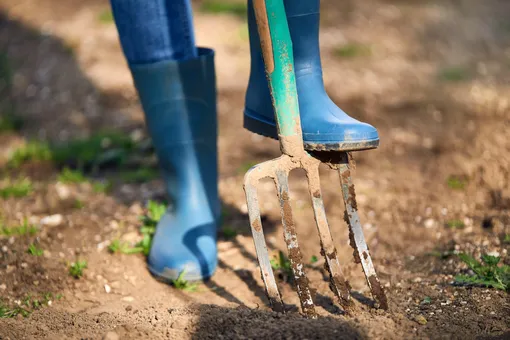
point(76, 268)
point(282, 264)
point(455, 224)
point(33, 250)
point(102, 186)
point(454, 74)
point(139, 175)
point(105, 17)
point(23, 229)
point(182, 284)
point(352, 50)
point(228, 232)
point(237, 8)
point(314, 259)
point(456, 182)
point(68, 176)
point(12, 312)
point(426, 301)
point(506, 239)
point(486, 273)
point(149, 221)
point(93, 152)
point(117, 246)
point(79, 204)
point(19, 188)
point(27, 305)
point(32, 151)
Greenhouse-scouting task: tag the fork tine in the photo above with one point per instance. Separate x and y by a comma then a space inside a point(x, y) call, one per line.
point(272, 291)
point(356, 236)
point(295, 257)
point(338, 284)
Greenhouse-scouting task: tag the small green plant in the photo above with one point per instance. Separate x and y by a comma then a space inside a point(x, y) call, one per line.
point(117, 246)
point(106, 17)
point(426, 301)
point(155, 211)
point(454, 74)
point(34, 250)
point(314, 259)
point(76, 268)
point(12, 312)
point(79, 204)
point(32, 151)
point(282, 264)
point(95, 151)
point(506, 239)
point(486, 273)
point(352, 50)
point(456, 182)
point(237, 8)
point(183, 284)
point(228, 232)
point(24, 229)
point(139, 175)
point(455, 224)
point(68, 176)
point(19, 188)
point(101, 186)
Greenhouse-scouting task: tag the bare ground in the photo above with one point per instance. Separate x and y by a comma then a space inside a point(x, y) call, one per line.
point(435, 84)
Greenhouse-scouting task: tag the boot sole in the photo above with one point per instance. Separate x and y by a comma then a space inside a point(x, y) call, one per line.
point(261, 126)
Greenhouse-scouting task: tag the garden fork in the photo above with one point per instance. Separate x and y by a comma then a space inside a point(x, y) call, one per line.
point(279, 63)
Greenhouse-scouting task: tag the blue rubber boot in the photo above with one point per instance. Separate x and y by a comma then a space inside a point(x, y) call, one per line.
point(325, 126)
point(179, 101)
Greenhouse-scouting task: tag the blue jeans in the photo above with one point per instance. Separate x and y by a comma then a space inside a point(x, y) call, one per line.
point(155, 30)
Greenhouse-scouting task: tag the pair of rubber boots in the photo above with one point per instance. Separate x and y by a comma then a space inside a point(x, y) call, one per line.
point(179, 101)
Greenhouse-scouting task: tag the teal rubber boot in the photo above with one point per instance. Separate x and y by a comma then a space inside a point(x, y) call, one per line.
point(179, 101)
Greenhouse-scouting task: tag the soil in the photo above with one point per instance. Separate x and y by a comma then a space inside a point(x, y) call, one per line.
point(435, 84)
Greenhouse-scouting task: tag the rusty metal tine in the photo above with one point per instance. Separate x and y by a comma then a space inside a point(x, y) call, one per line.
point(338, 284)
point(295, 257)
point(356, 236)
point(272, 291)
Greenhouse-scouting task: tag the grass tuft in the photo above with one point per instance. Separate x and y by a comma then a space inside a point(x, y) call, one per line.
point(68, 176)
point(32, 151)
point(17, 189)
point(117, 246)
point(454, 74)
point(21, 230)
point(237, 8)
point(352, 50)
point(33, 250)
point(76, 268)
point(455, 224)
point(456, 182)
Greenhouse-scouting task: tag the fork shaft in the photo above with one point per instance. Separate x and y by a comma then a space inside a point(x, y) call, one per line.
point(356, 236)
point(295, 257)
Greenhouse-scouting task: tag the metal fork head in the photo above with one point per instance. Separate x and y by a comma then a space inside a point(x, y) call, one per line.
point(278, 170)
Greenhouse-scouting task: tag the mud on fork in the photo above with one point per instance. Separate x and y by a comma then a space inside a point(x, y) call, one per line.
point(277, 51)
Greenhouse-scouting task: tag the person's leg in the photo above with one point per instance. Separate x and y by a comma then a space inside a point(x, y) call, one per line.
point(177, 88)
point(325, 126)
